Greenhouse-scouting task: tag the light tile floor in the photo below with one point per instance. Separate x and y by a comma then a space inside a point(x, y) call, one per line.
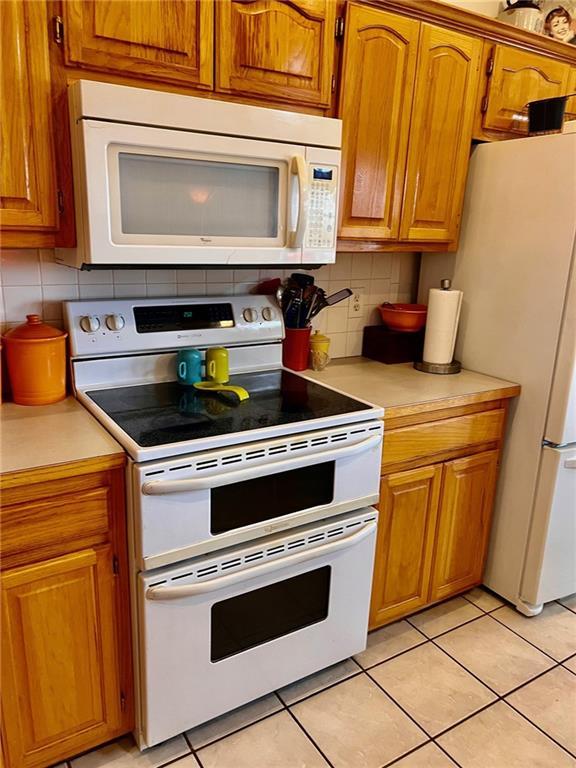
point(468, 683)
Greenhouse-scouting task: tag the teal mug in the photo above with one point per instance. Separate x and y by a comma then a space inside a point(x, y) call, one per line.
point(189, 366)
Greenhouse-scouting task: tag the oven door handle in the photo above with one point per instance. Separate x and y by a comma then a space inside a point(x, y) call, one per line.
point(161, 487)
point(212, 585)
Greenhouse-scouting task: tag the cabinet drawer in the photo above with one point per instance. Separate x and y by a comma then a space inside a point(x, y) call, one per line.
point(52, 523)
point(425, 440)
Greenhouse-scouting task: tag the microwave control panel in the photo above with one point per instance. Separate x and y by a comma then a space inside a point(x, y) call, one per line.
point(323, 196)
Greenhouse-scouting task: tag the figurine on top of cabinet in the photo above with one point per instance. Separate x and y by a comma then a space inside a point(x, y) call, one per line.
point(560, 21)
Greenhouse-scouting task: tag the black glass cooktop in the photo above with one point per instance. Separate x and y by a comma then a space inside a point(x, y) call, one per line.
point(156, 414)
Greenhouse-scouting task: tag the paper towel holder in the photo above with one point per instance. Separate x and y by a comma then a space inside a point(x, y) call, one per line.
point(440, 368)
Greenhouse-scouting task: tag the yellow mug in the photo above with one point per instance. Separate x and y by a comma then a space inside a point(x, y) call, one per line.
point(217, 368)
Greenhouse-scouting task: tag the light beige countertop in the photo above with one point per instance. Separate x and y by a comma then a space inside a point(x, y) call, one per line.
point(44, 435)
point(402, 390)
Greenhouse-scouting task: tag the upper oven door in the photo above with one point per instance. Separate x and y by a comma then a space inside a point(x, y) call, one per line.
point(156, 196)
point(196, 504)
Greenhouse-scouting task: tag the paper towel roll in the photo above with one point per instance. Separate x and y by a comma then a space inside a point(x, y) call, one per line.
point(441, 325)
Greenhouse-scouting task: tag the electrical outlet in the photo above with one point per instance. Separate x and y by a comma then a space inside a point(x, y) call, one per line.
point(356, 303)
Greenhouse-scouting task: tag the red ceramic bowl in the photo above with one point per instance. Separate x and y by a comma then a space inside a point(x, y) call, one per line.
point(404, 317)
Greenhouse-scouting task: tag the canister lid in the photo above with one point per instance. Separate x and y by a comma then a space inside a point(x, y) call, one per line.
point(318, 338)
point(33, 330)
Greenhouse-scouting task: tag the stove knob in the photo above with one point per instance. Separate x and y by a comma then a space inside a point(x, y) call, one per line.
point(89, 323)
point(115, 322)
point(268, 313)
point(250, 315)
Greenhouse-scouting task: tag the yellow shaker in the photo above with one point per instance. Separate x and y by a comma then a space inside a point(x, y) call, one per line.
point(319, 348)
point(217, 368)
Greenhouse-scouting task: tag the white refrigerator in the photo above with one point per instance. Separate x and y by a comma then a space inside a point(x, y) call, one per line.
point(516, 265)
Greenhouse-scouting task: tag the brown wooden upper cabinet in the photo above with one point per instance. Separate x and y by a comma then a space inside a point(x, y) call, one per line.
point(377, 84)
point(407, 101)
point(440, 134)
point(276, 50)
point(165, 40)
point(515, 78)
point(27, 161)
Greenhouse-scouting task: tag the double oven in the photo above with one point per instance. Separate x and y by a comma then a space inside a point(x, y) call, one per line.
point(251, 527)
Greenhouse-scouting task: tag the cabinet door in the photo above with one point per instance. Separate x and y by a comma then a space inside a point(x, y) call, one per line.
point(276, 50)
point(27, 161)
point(167, 40)
point(404, 545)
point(463, 523)
point(60, 685)
point(440, 134)
point(377, 84)
point(517, 78)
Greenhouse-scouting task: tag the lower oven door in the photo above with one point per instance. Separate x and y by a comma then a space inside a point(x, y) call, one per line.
point(196, 504)
point(217, 632)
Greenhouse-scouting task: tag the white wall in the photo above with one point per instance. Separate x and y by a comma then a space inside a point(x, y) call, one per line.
point(487, 7)
point(32, 282)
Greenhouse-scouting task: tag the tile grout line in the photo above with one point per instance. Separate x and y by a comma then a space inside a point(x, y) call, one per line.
point(305, 732)
point(513, 708)
point(236, 730)
point(503, 605)
point(396, 655)
point(321, 690)
point(192, 749)
point(502, 624)
point(448, 755)
point(502, 698)
point(406, 754)
point(433, 738)
point(479, 679)
point(446, 631)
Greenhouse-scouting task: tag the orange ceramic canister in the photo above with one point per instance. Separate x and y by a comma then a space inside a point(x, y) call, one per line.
point(36, 359)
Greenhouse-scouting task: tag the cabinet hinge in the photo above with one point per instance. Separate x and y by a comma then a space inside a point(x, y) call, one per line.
point(60, 199)
point(484, 105)
point(333, 85)
point(115, 565)
point(490, 66)
point(339, 30)
point(122, 701)
point(58, 29)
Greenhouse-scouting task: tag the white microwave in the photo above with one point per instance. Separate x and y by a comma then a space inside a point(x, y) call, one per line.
point(163, 179)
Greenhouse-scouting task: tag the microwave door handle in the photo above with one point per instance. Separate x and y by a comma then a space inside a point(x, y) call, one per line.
point(299, 169)
point(161, 487)
point(220, 582)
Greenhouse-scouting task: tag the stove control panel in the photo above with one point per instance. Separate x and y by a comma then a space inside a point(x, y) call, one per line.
point(121, 326)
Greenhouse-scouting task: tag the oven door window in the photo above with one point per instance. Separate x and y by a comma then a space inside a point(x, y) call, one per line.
point(268, 613)
point(263, 498)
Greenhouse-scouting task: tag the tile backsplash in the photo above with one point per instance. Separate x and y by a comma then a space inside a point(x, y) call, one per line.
point(32, 282)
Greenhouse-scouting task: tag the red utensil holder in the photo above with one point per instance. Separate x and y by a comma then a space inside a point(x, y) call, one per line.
point(295, 348)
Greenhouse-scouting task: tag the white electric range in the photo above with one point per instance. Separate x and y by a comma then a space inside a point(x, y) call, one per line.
point(250, 527)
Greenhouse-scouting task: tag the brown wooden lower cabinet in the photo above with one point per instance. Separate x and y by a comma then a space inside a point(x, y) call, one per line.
point(408, 508)
point(65, 672)
point(434, 520)
point(463, 523)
